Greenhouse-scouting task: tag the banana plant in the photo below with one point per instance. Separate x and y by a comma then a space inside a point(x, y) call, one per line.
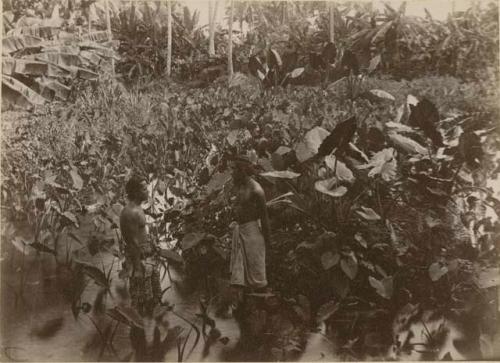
point(36, 70)
point(41, 57)
point(272, 71)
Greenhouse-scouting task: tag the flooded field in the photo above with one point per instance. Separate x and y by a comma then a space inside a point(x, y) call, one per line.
point(39, 323)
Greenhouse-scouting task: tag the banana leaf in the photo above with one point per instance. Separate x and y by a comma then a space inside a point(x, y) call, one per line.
point(11, 44)
point(85, 73)
point(98, 49)
point(382, 32)
point(61, 59)
point(90, 57)
point(25, 21)
point(55, 71)
point(99, 36)
point(8, 20)
point(28, 67)
point(8, 66)
point(61, 49)
point(45, 32)
point(58, 89)
point(16, 93)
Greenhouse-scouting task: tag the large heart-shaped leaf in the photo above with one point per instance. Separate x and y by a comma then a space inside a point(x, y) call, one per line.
point(340, 283)
point(350, 266)
point(127, 315)
point(488, 278)
point(329, 187)
point(401, 114)
point(282, 150)
point(382, 163)
point(315, 137)
point(471, 149)
point(93, 272)
point(436, 271)
point(303, 152)
point(329, 53)
point(342, 172)
point(329, 259)
point(383, 287)
point(359, 237)
point(407, 144)
point(425, 116)
point(374, 62)
point(235, 135)
point(256, 68)
point(411, 100)
point(383, 95)
point(71, 217)
point(396, 126)
point(42, 248)
point(21, 246)
point(297, 72)
point(77, 180)
point(326, 310)
point(339, 138)
point(282, 174)
point(368, 214)
point(218, 181)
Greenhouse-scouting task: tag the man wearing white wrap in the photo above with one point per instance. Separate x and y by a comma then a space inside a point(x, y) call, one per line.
point(251, 232)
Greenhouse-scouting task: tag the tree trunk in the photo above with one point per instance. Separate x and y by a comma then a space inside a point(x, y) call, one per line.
point(211, 30)
point(332, 22)
point(250, 26)
point(110, 35)
point(230, 41)
point(283, 13)
point(169, 38)
point(211, 45)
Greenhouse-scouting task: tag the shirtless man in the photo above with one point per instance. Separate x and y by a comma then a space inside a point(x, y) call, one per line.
point(145, 289)
point(251, 235)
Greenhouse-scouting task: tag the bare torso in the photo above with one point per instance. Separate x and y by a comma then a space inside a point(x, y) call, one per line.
point(134, 231)
point(247, 204)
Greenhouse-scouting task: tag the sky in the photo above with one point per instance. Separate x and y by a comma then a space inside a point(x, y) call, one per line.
point(439, 9)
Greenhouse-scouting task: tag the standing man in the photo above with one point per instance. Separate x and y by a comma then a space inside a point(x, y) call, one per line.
point(145, 288)
point(251, 235)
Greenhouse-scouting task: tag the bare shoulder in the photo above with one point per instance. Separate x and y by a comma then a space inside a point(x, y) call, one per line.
point(257, 189)
point(130, 213)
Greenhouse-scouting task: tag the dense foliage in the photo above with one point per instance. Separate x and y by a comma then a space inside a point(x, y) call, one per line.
point(373, 225)
point(464, 45)
point(380, 190)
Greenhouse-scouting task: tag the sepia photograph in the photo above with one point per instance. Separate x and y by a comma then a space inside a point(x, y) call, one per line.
point(242, 181)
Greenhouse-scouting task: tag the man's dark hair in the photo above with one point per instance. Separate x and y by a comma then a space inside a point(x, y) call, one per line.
point(134, 186)
point(243, 163)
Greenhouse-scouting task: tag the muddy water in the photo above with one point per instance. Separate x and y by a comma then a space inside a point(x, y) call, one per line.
point(42, 303)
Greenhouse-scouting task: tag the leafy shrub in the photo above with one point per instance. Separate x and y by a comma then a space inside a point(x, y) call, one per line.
point(366, 228)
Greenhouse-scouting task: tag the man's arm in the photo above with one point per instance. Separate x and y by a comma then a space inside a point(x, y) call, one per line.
point(264, 218)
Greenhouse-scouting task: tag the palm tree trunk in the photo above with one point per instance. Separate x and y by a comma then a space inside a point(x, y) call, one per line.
point(332, 22)
point(110, 35)
point(230, 41)
point(169, 38)
point(283, 13)
point(211, 43)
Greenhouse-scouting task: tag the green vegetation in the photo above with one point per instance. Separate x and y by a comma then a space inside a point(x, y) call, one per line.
point(378, 179)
